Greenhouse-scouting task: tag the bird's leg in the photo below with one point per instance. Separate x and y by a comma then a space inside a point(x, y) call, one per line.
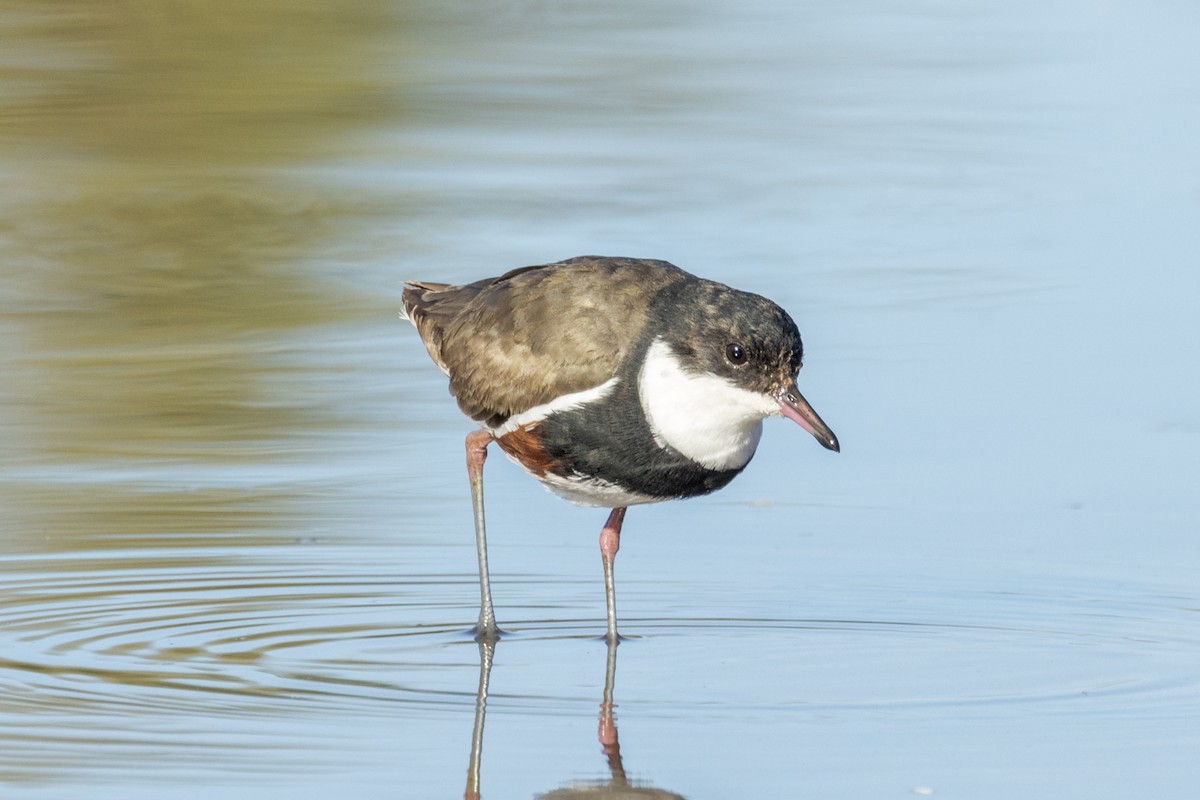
point(477, 443)
point(610, 542)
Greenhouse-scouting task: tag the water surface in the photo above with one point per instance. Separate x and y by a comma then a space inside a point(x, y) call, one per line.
point(237, 555)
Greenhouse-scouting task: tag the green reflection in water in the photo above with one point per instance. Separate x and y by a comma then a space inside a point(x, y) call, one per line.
point(196, 84)
point(164, 255)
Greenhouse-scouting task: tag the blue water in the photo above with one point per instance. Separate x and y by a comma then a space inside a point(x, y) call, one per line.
point(237, 549)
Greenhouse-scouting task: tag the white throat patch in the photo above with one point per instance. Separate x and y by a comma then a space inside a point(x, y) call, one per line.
point(709, 419)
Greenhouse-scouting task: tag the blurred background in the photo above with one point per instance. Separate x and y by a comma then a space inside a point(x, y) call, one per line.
point(234, 519)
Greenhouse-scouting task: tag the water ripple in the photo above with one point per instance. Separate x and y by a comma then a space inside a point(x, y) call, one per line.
point(249, 639)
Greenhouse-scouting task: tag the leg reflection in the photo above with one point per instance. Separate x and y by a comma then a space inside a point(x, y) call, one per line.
point(618, 786)
point(487, 650)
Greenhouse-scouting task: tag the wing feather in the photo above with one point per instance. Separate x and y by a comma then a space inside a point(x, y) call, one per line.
point(520, 340)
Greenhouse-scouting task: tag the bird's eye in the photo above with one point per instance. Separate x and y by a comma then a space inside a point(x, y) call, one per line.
point(735, 353)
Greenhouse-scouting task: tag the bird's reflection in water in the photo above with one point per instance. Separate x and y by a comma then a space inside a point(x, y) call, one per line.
point(487, 649)
point(617, 787)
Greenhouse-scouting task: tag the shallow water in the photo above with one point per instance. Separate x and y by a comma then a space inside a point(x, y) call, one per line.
point(237, 555)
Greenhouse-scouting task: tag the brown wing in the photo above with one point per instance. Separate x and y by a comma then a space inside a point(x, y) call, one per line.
point(430, 307)
point(533, 334)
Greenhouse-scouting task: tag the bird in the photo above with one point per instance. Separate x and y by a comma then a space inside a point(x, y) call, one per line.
point(613, 381)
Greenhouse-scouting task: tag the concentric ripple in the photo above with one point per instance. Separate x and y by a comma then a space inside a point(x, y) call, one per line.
point(187, 633)
point(110, 659)
point(133, 632)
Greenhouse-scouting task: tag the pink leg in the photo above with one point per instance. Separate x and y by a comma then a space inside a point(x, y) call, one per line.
point(477, 443)
point(610, 542)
